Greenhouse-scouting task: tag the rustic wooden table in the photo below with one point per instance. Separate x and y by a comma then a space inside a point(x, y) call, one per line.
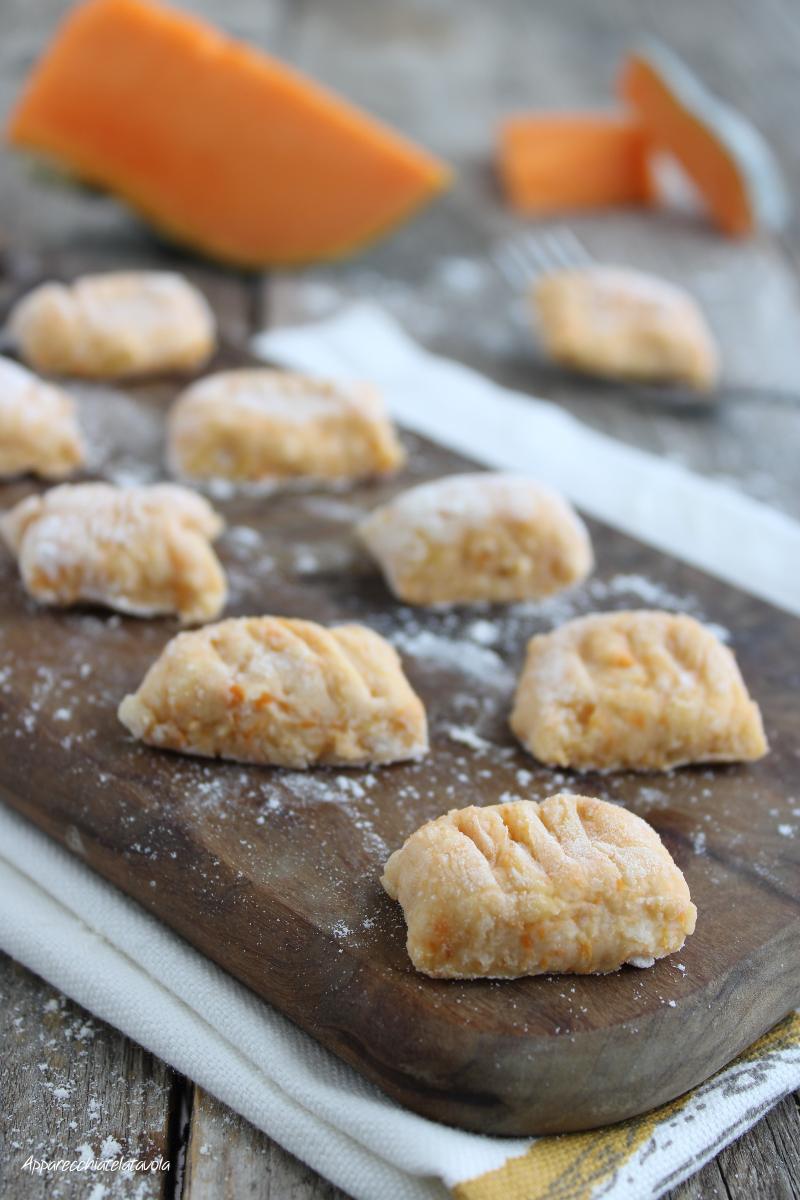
point(444, 71)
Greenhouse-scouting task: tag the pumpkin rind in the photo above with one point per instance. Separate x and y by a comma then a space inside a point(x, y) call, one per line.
point(725, 155)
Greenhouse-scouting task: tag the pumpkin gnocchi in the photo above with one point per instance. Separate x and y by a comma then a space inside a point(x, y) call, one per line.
point(280, 691)
point(573, 884)
point(39, 429)
point(643, 691)
point(487, 536)
point(142, 550)
point(624, 324)
point(118, 325)
point(270, 429)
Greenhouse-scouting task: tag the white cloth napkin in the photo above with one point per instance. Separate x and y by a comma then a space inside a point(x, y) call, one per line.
point(60, 919)
point(85, 937)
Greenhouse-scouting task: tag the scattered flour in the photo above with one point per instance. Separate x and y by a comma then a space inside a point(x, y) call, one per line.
point(457, 654)
point(124, 437)
point(304, 786)
point(330, 509)
point(485, 633)
point(468, 737)
point(242, 541)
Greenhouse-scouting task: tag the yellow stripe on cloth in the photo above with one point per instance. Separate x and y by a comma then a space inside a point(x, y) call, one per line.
point(573, 1166)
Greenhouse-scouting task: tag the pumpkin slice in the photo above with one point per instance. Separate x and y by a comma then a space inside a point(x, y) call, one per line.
point(218, 145)
point(554, 161)
point(726, 156)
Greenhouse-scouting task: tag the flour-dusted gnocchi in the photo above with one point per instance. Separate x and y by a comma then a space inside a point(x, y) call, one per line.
point(280, 691)
point(637, 690)
point(119, 325)
point(573, 884)
point(39, 429)
point(487, 536)
point(269, 429)
point(142, 550)
point(624, 324)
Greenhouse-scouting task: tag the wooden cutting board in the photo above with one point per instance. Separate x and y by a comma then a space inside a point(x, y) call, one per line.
point(275, 874)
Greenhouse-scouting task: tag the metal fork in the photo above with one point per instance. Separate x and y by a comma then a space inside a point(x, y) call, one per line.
point(522, 259)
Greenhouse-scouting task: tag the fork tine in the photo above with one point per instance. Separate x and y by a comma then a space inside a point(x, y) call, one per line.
point(505, 265)
point(529, 255)
point(534, 253)
point(521, 259)
point(573, 246)
point(558, 254)
point(511, 263)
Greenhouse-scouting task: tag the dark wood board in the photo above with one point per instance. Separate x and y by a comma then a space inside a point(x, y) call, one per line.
point(275, 874)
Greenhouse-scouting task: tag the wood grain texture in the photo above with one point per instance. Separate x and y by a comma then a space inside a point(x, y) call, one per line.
point(227, 1159)
point(763, 1164)
point(275, 875)
point(69, 1082)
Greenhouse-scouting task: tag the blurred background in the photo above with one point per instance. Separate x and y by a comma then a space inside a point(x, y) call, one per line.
point(445, 72)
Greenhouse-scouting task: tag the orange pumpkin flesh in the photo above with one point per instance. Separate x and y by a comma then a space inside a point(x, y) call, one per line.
point(217, 144)
point(693, 144)
point(554, 161)
point(726, 157)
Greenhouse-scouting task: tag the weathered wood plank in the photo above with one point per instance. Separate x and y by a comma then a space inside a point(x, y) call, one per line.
point(71, 1082)
point(707, 1184)
point(763, 1164)
point(228, 1159)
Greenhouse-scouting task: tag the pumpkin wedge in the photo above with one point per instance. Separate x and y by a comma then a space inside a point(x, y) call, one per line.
point(554, 161)
point(216, 144)
point(726, 156)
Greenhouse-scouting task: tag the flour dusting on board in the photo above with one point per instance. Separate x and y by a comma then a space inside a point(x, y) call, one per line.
point(124, 439)
point(456, 655)
point(485, 643)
